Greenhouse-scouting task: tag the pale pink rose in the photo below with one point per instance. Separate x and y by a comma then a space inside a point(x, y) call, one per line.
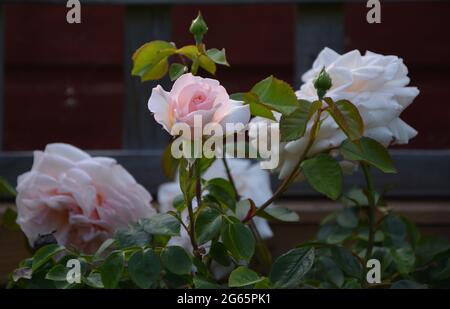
point(196, 96)
point(81, 199)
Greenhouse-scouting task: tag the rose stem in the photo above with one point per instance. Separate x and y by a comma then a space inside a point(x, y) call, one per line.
point(230, 178)
point(372, 206)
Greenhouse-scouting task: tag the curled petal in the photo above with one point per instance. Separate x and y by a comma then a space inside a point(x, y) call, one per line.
point(159, 105)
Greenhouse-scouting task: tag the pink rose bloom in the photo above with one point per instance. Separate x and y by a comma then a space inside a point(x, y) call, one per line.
point(80, 199)
point(196, 96)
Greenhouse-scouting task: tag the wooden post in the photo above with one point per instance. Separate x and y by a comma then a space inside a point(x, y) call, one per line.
point(142, 24)
point(317, 26)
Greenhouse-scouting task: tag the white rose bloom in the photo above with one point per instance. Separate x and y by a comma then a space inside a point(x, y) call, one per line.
point(251, 182)
point(375, 84)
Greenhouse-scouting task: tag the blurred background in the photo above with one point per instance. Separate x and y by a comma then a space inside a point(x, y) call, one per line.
point(71, 83)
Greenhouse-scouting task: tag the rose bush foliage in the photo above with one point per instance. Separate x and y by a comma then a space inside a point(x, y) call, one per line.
point(211, 225)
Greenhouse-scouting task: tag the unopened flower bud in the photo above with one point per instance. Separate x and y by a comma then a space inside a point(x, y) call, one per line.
point(198, 28)
point(322, 83)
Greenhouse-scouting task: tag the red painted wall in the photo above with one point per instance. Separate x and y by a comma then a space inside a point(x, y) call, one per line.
point(64, 82)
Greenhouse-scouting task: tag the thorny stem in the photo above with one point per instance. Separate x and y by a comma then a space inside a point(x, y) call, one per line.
point(191, 228)
point(191, 215)
point(230, 178)
point(287, 181)
point(265, 257)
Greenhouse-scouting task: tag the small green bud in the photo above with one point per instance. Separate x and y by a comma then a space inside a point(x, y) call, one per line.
point(322, 83)
point(198, 28)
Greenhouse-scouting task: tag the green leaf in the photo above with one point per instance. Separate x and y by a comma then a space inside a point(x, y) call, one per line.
point(238, 96)
point(326, 230)
point(351, 283)
point(6, 190)
point(429, 248)
point(347, 218)
point(190, 51)
point(404, 259)
point(156, 72)
point(442, 272)
point(201, 283)
point(339, 235)
point(111, 270)
point(57, 273)
point(324, 174)
point(263, 284)
point(105, 245)
point(9, 220)
point(347, 261)
point(222, 191)
point(395, 231)
point(204, 164)
point(413, 232)
point(218, 56)
point(407, 284)
point(364, 235)
point(169, 163)
point(347, 117)
point(162, 224)
point(239, 240)
point(276, 94)
point(144, 268)
point(370, 151)
point(289, 269)
point(257, 109)
point(207, 64)
point(242, 276)
point(207, 224)
point(133, 236)
point(176, 70)
point(176, 260)
point(223, 184)
point(187, 180)
point(357, 197)
point(44, 254)
point(173, 281)
point(331, 271)
point(94, 280)
point(150, 60)
point(279, 214)
point(218, 252)
point(178, 203)
point(293, 126)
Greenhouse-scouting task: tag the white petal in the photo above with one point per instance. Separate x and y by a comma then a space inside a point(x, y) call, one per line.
point(263, 228)
point(158, 104)
point(238, 114)
point(67, 151)
point(381, 134)
point(402, 131)
point(50, 164)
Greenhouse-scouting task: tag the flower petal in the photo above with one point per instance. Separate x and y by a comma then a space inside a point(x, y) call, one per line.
point(159, 105)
